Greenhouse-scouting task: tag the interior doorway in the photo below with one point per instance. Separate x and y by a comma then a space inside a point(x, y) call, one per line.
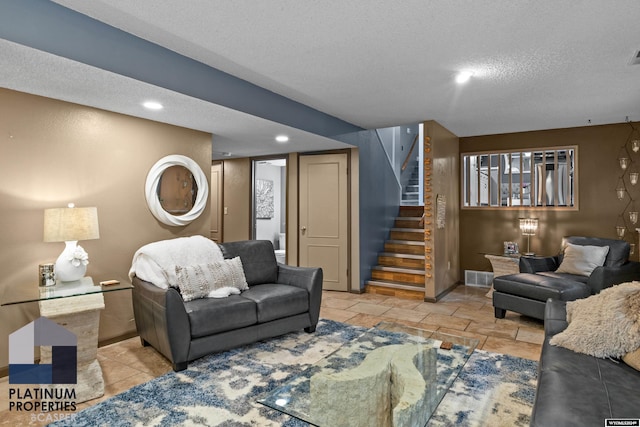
point(269, 204)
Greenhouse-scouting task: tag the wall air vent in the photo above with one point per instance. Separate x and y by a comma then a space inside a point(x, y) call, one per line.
point(478, 278)
point(636, 59)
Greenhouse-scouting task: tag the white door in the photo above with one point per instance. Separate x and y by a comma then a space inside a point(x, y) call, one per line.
point(323, 232)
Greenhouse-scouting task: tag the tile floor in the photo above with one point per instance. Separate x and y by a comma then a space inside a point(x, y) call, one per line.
point(465, 311)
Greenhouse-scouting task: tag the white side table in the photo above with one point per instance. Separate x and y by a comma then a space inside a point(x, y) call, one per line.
point(80, 315)
point(76, 306)
point(503, 264)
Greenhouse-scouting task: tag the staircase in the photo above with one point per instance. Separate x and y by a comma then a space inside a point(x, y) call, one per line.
point(401, 267)
point(410, 193)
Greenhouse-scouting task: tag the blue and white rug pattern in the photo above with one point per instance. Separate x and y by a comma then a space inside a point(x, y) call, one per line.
point(223, 389)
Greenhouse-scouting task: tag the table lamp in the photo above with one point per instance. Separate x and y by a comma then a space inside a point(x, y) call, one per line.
point(69, 225)
point(528, 227)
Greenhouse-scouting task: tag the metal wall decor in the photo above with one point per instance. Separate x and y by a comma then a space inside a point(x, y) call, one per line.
point(626, 188)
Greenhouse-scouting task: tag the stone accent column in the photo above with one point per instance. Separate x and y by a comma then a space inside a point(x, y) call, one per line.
point(389, 387)
point(413, 379)
point(80, 315)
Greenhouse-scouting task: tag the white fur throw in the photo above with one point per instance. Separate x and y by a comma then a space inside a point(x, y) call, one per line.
point(603, 325)
point(155, 262)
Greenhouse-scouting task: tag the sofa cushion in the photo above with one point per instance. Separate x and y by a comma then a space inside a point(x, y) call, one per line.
point(275, 301)
point(210, 316)
point(592, 388)
point(564, 276)
point(582, 260)
point(540, 287)
point(258, 259)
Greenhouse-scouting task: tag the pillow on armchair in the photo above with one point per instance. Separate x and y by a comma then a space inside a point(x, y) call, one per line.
point(582, 260)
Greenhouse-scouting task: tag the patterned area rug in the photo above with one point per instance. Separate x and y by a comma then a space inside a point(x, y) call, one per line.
point(222, 389)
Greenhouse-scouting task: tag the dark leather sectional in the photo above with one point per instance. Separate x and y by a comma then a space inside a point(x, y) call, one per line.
point(575, 389)
point(280, 299)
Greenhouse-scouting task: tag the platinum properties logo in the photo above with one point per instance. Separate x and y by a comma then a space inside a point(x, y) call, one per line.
point(43, 399)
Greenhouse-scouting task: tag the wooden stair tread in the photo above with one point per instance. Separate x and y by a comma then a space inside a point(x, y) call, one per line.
point(402, 264)
point(406, 270)
point(400, 255)
point(406, 242)
point(411, 211)
point(390, 284)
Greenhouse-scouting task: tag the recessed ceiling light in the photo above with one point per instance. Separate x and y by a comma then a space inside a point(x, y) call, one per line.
point(282, 138)
point(152, 105)
point(463, 77)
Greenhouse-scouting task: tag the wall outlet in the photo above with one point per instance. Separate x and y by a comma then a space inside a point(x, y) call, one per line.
point(226, 210)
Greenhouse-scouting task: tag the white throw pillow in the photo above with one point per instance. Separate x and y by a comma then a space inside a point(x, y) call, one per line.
point(235, 274)
point(199, 280)
point(194, 281)
point(582, 260)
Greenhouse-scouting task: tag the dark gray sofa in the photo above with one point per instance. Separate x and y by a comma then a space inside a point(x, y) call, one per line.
point(527, 292)
point(280, 299)
point(575, 389)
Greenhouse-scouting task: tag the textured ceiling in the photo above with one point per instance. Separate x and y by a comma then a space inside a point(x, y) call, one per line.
point(236, 134)
point(537, 64)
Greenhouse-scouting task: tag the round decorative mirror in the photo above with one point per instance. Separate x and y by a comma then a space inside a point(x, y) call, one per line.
point(176, 190)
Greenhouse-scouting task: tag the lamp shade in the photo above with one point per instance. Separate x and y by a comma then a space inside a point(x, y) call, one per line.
point(528, 226)
point(69, 224)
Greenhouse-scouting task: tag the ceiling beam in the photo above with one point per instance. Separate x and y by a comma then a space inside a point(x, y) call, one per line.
point(50, 27)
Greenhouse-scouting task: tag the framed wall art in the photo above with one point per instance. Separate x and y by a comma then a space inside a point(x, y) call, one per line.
point(264, 199)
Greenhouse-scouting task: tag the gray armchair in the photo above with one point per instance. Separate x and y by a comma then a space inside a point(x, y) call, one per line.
point(528, 291)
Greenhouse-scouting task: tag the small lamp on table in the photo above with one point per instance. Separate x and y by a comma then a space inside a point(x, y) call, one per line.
point(69, 225)
point(528, 227)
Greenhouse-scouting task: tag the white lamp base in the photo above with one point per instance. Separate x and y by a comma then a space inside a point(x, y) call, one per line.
point(65, 270)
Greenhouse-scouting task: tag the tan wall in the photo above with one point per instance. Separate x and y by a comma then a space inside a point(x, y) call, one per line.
point(237, 200)
point(52, 153)
point(598, 172)
point(444, 181)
